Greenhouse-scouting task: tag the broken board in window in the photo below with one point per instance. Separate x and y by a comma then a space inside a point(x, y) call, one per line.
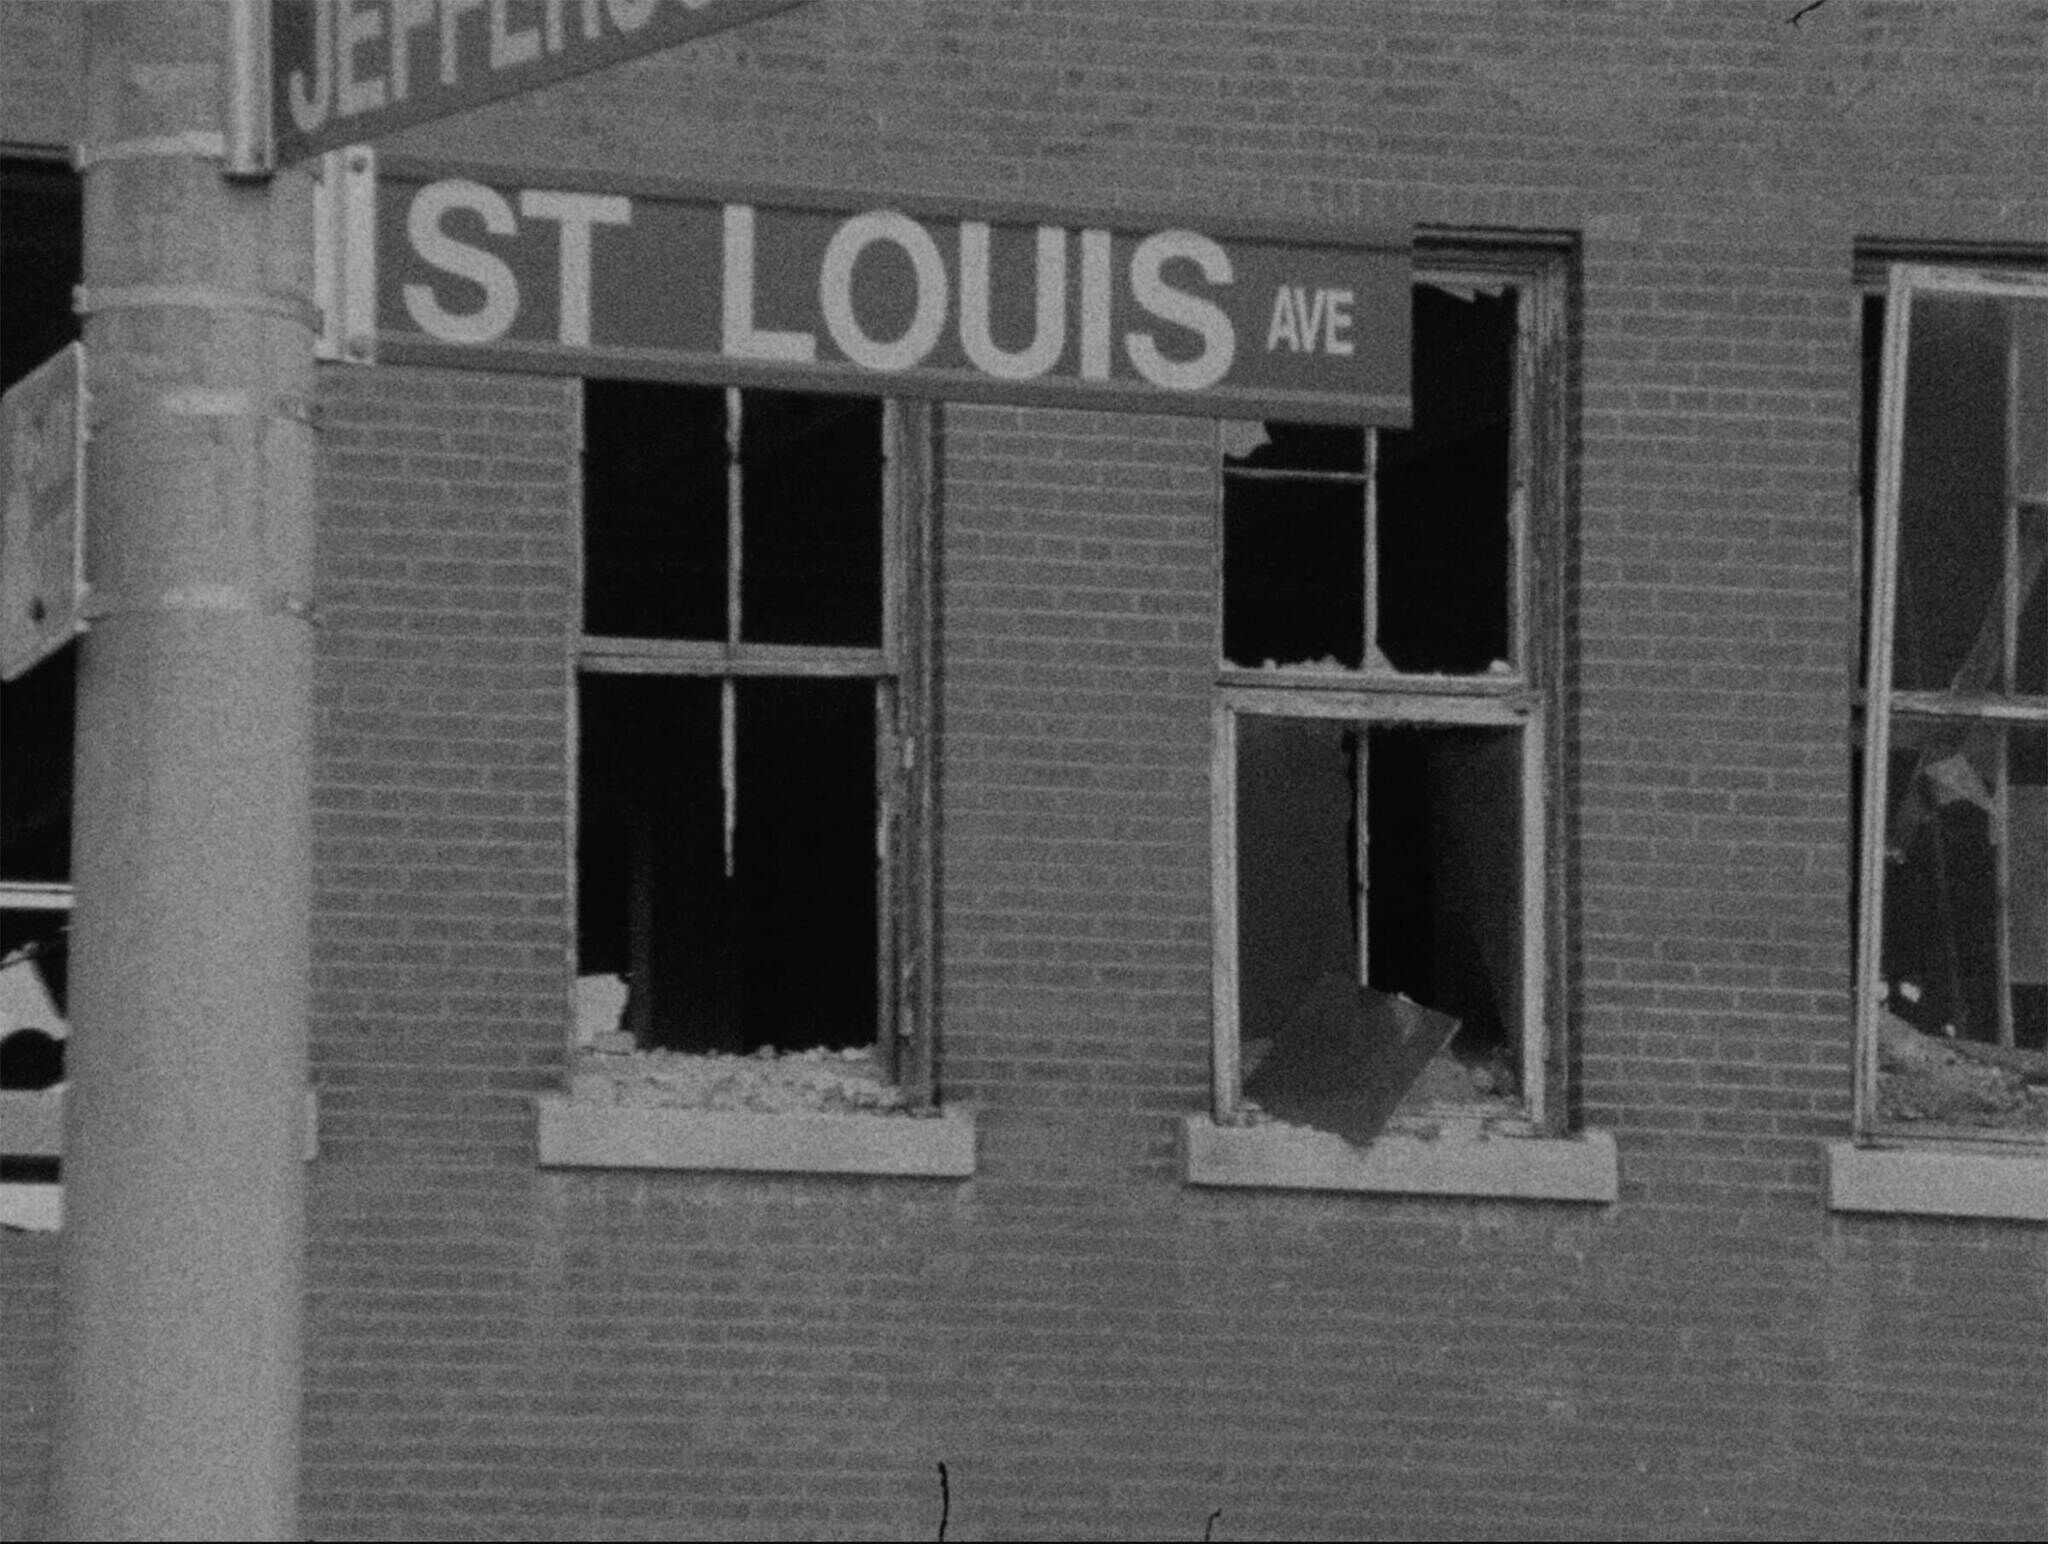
point(1345, 1058)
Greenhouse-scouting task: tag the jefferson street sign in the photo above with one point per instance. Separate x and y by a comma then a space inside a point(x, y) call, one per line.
point(834, 291)
point(346, 71)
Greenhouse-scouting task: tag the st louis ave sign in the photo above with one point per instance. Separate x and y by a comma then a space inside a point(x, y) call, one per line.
point(830, 291)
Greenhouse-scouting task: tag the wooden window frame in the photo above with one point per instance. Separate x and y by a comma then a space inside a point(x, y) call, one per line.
point(1523, 699)
point(901, 669)
point(1878, 703)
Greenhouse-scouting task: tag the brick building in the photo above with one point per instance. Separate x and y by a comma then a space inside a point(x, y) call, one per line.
point(1018, 779)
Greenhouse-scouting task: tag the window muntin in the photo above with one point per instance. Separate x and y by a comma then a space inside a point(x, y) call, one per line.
point(1382, 722)
point(1952, 1006)
point(749, 874)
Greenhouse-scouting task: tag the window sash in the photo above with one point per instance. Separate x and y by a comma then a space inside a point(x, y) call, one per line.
point(1517, 700)
point(904, 712)
point(1529, 726)
point(1535, 473)
point(1882, 703)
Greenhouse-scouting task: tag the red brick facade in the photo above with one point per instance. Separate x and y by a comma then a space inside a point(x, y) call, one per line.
point(1090, 1345)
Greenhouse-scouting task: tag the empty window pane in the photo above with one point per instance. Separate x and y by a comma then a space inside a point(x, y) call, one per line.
point(35, 770)
point(807, 868)
point(1293, 572)
point(1445, 491)
point(1444, 877)
point(736, 912)
point(652, 903)
point(654, 510)
point(811, 559)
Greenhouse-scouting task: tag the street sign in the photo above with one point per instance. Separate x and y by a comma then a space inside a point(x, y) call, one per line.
point(347, 71)
point(42, 479)
point(834, 291)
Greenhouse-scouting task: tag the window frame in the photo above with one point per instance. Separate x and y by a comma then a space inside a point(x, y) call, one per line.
point(901, 668)
point(1524, 700)
point(1876, 701)
point(31, 1120)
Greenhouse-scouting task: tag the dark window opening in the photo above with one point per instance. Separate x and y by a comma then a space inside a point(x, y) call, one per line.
point(811, 560)
point(36, 717)
point(654, 518)
point(730, 798)
point(42, 256)
point(738, 917)
point(1445, 522)
point(1293, 574)
point(662, 506)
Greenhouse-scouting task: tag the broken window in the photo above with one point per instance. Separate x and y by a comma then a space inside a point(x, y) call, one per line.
point(1383, 731)
point(751, 751)
point(1953, 873)
point(41, 233)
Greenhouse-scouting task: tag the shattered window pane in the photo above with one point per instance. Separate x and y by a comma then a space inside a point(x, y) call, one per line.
point(1293, 447)
point(1964, 965)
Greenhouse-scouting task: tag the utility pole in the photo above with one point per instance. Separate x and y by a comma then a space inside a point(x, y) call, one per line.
point(185, 1123)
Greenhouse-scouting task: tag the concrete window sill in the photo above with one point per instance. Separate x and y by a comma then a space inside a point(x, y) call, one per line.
point(582, 1135)
point(1460, 1162)
point(1933, 1181)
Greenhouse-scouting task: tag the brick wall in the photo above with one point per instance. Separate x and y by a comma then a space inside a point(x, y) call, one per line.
point(498, 1351)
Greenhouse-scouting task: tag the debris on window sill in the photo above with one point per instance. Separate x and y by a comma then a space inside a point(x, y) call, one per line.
point(796, 1123)
point(1927, 1078)
point(1329, 664)
point(612, 1071)
point(1376, 664)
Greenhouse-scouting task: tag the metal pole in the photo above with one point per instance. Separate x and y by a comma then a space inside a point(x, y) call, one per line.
point(185, 1121)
